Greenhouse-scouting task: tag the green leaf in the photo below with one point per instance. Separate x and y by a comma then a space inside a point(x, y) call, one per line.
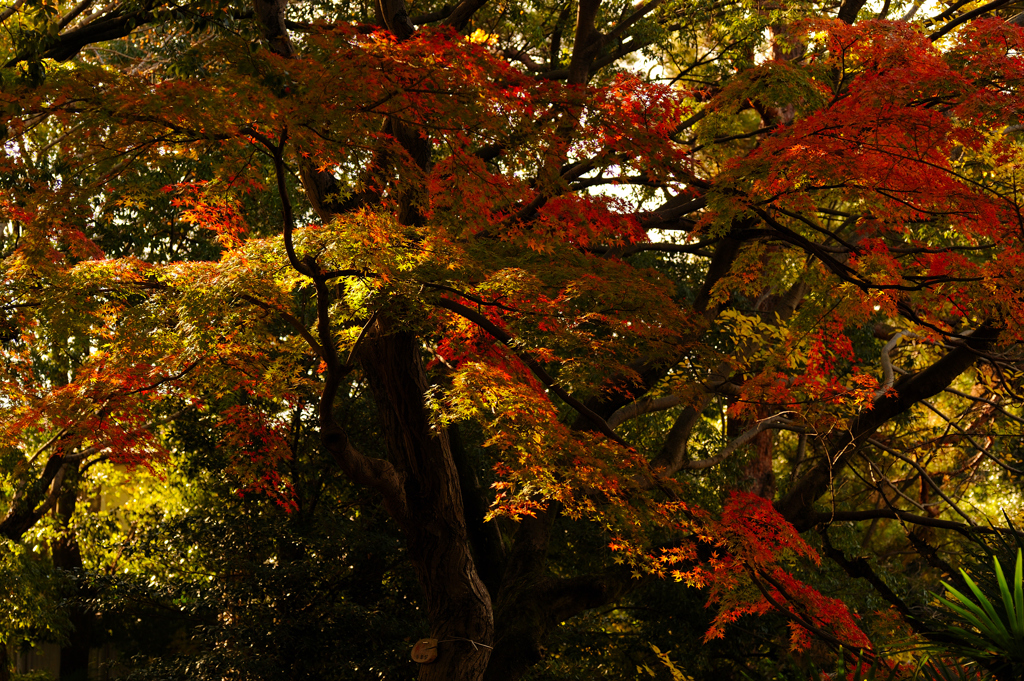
point(1004, 591)
point(997, 626)
point(1018, 594)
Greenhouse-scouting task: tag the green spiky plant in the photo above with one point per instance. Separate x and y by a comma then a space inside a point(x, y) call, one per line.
point(992, 637)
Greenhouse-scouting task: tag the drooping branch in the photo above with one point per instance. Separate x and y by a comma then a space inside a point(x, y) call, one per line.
point(299, 327)
point(790, 613)
point(859, 568)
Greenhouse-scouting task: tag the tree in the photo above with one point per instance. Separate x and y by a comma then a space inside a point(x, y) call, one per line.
point(249, 213)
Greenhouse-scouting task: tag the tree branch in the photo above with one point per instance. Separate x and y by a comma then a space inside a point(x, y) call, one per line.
point(586, 44)
point(888, 376)
point(909, 390)
point(859, 568)
point(967, 16)
point(773, 423)
point(827, 518)
point(70, 16)
point(117, 24)
point(643, 406)
point(15, 6)
point(463, 12)
point(480, 320)
point(299, 327)
point(924, 476)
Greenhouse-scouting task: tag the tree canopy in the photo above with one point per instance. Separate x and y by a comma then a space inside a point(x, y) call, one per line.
point(582, 303)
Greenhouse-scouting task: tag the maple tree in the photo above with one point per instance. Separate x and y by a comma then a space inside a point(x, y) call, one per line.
point(794, 248)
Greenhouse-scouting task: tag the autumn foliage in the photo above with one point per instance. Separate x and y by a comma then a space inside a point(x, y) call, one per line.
point(427, 223)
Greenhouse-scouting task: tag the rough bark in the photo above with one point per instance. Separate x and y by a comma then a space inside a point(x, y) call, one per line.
point(519, 613)
point(457, 603)
point(849, 9)
point(587, 42)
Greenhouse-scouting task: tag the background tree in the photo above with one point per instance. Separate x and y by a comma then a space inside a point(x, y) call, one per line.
point(254, 221)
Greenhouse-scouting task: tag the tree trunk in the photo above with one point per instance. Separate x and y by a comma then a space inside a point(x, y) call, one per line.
point(5, 663)
point(457, 603)
point(74, 656)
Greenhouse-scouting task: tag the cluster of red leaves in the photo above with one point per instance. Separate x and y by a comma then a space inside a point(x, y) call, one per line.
point(47, 238)
point(901, 126)
point(583, 221)
point(105, 410)
point(260, 449)
point(484, 102)
point(889, 135)
point(751, 546)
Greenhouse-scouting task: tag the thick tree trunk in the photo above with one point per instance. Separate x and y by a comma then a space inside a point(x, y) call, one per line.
point(458, 605)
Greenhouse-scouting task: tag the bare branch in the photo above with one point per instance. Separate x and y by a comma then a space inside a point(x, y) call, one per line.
point(967, 16)
point(6, 14)
point(906, 392)
point(982, 400)
point(463, 13)
point(641, 407)
point(70, 16)
point(635, 16)
point(970, 438)
point(924, 476)
point(776, 422)
point(912, 518)
point(888, 376)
